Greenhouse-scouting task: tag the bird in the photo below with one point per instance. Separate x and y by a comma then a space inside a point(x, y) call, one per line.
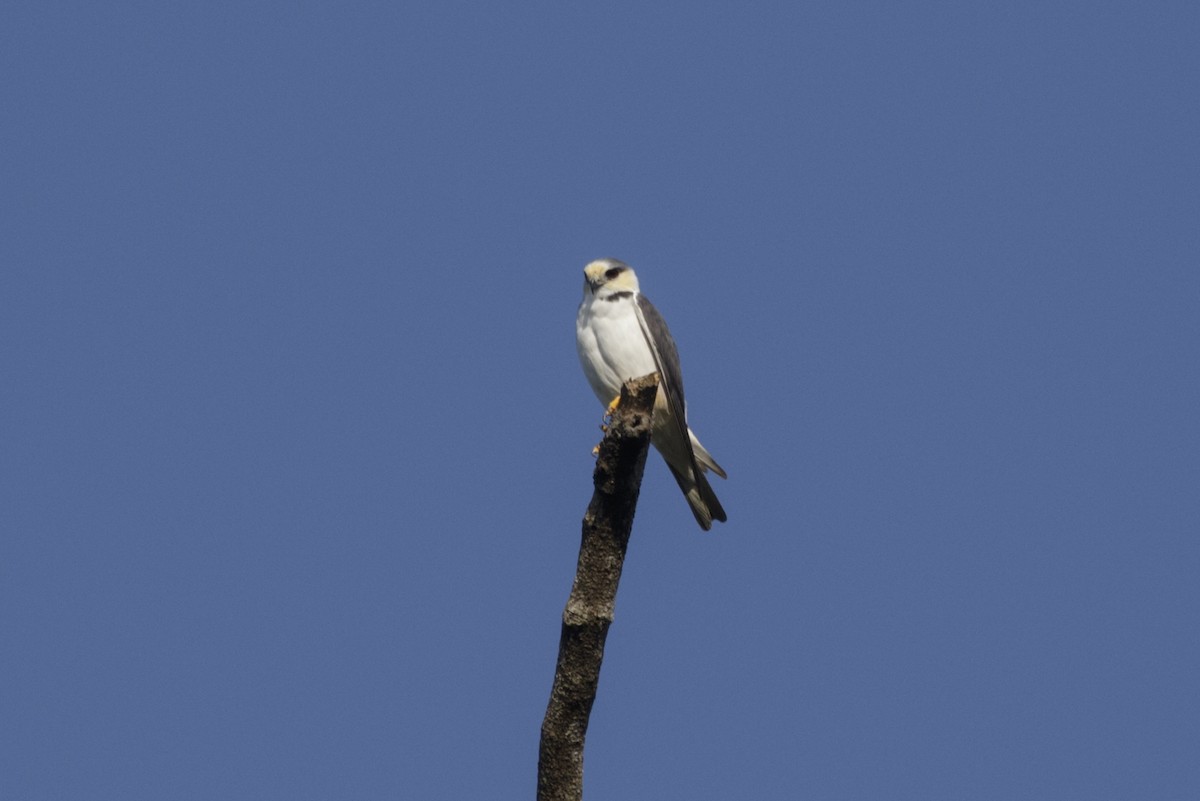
point(620, 335)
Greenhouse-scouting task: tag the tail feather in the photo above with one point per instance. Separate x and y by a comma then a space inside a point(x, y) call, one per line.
point(700, 497)
point(704, 457)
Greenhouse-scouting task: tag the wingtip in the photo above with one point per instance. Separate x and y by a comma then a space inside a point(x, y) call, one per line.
point(704, 504)
point(700, 497)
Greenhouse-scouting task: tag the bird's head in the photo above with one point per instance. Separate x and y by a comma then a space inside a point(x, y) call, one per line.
point(605, 277)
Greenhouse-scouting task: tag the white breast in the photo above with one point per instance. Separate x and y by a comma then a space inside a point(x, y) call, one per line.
point(611, 346)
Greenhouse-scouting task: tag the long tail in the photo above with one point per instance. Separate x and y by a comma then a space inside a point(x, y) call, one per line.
point(700, 497)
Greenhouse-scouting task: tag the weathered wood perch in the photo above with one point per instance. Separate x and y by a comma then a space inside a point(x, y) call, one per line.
point(589, 612)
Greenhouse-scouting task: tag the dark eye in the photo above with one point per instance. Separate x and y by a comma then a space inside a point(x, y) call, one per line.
point(613, 272)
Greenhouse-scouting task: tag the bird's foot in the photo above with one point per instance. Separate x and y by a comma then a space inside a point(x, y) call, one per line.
point(608, 415)
point(609, 411)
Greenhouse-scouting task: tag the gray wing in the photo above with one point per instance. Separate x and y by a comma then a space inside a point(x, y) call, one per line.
point(666, 358)
point(698, 492)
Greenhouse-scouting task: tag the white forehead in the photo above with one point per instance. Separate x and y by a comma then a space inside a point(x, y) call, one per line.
point(596, 274)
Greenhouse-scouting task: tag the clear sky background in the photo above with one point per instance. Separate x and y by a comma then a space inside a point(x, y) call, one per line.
point(295, 443)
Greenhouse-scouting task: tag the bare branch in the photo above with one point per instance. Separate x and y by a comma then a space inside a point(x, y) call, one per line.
point(589, 613)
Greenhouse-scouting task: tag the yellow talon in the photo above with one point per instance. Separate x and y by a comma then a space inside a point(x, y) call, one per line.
point(608, 413)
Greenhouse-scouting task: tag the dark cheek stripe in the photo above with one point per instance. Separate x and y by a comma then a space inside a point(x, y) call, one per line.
point(619, 296)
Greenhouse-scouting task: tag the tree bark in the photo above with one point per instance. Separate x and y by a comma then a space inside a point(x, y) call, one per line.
point(589, 612)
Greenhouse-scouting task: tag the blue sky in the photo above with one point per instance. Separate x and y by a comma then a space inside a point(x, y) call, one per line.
point(296, 445)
